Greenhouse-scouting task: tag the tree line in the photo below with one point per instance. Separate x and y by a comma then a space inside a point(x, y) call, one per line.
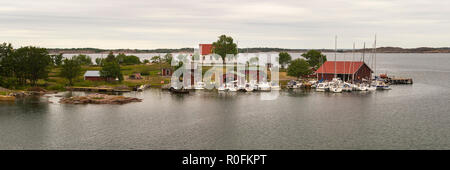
point(26, 65)
point(313, 59)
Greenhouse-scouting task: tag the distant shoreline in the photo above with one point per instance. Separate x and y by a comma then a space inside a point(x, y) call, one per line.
point(250, 50)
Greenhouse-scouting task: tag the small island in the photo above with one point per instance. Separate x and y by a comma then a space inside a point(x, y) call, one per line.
point(99, 99)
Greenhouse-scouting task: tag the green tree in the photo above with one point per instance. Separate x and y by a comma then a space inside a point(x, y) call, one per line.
point(57, 59)
point(71, 69)
point(167, 58)
point(83, 59)
point(299, 67)
point(110, 57)
point(315, 58)
point(285, 58)
point(127, 59)
point(223, 46)
point(99, 61)
point(6, 51)
point(146, 61)
point(12, 66)
point(35, 62)
point(156, 59)
point(111, 70)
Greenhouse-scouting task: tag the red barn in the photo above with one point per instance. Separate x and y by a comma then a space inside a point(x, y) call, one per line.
point(205, 49)
point(93, 76)
point(348, 69)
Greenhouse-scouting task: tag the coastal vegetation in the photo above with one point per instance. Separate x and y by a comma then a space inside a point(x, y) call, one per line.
point(223, 46)
point(27, 67)
point(22, 66)
point(302, 67)
point(315, 58)
point(71, 68)
point(83, 59)
point(284, 59)
point(299, 67)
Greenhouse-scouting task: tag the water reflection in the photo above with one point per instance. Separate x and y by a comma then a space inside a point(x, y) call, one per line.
point(406, 117)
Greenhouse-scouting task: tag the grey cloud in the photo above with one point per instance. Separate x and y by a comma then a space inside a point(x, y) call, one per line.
point(175, 24)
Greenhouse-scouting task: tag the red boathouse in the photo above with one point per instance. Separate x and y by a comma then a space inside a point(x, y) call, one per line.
point(348, 69)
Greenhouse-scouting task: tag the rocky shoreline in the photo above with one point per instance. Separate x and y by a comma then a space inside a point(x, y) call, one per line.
point(99, 99)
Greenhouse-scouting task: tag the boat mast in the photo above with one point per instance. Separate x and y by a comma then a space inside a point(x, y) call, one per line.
point(335, 51)
point(375, 55)
point(344, 74)
point(353, 58)
point(364, 53)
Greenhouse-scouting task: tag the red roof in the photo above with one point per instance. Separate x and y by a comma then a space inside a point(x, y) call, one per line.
point(205, 49)
point(351, 67)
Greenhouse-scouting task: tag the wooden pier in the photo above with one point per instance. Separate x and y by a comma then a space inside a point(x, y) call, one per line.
point(400, 81)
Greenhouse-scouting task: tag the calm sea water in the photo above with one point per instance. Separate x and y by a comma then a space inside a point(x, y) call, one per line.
point(407, 117)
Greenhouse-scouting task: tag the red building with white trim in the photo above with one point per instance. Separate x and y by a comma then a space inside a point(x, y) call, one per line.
point(205, 49)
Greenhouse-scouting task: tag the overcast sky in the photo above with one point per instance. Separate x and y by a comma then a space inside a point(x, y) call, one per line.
point(146, 24)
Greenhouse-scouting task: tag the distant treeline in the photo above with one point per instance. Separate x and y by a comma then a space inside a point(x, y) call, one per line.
point(249, 50)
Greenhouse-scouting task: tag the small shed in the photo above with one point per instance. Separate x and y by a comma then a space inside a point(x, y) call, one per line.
point(93, 76)
point(166, 72)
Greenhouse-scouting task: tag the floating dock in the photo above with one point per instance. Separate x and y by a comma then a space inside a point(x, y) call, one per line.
point(400, 81)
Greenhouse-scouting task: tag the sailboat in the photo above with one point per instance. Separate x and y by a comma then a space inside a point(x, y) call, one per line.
point(335, 86)
point(264, 86)
point(199, 86)
point(274, 86)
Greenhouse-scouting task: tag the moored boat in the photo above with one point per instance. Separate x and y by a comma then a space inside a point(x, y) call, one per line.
point(264, 86)
point(321, 87)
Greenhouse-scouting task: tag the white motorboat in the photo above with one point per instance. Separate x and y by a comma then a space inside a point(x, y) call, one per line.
point(275, 86)
point(335, 88)
point(347, 87)
point(241, 88)
point(294, 84)
point(321, 87)
point(264, 86)
point(199, 86)
point(381, 85)
point(362, 87)
point(371, 88)
point(249, 87)
point(232, 87)
point(222, 88)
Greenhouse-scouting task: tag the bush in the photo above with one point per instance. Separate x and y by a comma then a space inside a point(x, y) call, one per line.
point(83, 59)
point(57, 87)
point(145, 74)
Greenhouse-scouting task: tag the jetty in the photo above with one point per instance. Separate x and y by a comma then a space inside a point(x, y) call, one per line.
point(97, 89)
point(400, 80)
